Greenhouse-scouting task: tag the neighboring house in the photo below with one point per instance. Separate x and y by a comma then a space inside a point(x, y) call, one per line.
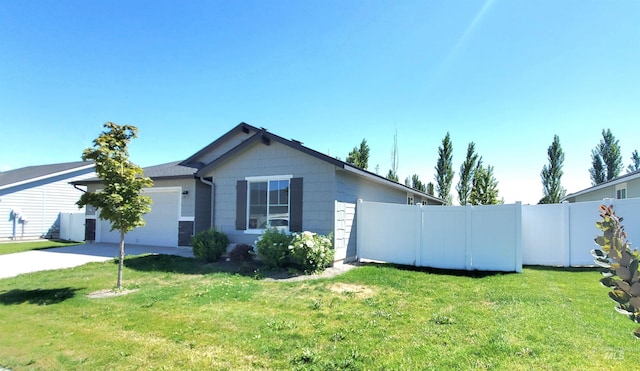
point(249, 179)
point(32, 198)
point(625, 186)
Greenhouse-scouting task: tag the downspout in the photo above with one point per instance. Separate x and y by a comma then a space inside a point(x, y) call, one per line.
point(213, 196)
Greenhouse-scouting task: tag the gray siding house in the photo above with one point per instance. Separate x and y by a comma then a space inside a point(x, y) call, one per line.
point(624, 186)
point(32, 198)
point(249, 179)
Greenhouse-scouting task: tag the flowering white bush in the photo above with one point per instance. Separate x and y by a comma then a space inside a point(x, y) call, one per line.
point(311, 252)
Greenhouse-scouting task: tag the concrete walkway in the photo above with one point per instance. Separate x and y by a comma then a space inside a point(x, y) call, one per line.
point(12, 265)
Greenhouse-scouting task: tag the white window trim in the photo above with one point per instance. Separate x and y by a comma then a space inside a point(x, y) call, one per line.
point(620, 187)
point(255, 179)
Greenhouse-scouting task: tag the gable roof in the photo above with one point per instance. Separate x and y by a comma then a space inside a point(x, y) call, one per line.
point(242, 127)
point(29, 174)
point(264, 136)
point(612, 182)
point(167, 170)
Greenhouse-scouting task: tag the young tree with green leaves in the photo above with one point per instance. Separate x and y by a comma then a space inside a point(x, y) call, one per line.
point(552, 174)
point(359, 156)
point(606, 159)
point(444, 169)
point(120, 201)
point(485, 187)
point(466, 174)
point(635, 162)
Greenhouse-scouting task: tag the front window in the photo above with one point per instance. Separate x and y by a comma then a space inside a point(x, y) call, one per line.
point(268, 204)
point(621, 194)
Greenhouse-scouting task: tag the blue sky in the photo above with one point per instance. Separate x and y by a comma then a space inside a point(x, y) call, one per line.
point(507, 75)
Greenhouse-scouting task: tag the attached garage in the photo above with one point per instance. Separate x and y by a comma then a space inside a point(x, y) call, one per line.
point(162, 222)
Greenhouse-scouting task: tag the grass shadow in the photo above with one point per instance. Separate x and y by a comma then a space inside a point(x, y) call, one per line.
point(439, 271)
point(37, 296)
point(183, 265)
point(562, 269)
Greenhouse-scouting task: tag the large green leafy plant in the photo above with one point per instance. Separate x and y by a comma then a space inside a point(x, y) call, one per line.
point(621, 265)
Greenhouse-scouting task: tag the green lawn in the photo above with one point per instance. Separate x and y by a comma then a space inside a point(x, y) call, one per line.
point(186, 315)
point(14, 247)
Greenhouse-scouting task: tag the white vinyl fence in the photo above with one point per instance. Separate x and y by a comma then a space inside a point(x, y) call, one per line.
point(470, 237)
point(344, 225)
point(496, 238)
point(562, 234)
point(72, 226)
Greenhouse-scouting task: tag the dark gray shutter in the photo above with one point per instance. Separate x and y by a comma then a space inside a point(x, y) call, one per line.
point(295, 207)
point(241, 205)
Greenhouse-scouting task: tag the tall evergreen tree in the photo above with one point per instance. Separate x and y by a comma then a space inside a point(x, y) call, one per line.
point(444, 169)
point(552, 174)
point(485, 187)
point(635, 162)
point(466, 174)
point(359, 156)
point(607, 153)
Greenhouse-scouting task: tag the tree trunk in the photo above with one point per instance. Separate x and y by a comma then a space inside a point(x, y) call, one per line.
point(121, 261)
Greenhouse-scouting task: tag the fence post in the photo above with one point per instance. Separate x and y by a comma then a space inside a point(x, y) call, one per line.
point(359, 230)
point(419, 225)
point(566, 238)
point(518, 237)
point(468, 243)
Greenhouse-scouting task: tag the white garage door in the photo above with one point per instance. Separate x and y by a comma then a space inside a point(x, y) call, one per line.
point(162, 222)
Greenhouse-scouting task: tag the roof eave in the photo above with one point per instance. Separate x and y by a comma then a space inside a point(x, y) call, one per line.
point(52, 175)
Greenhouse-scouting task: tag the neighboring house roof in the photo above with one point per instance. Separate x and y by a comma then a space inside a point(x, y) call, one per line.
point(262, 135)
point(168, 170)
point(13, 178)
point(612, 182)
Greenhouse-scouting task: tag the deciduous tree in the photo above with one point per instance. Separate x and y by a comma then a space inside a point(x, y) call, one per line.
point(430, 189)
point(417, 184)
point(395, 159)
point(120, 201)
point(552, 174)
point(606, 158)
point(466, 174)
point(444, 169)
point(485, 187)
point(359, 156)
point(635, 162)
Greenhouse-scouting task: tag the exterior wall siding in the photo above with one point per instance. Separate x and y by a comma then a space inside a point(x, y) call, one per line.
point(41, 204)
point(272, 160)
point(350, 188)
point(633, 188)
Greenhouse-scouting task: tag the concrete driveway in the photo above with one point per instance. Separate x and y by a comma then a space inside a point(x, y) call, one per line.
point(12, 265)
